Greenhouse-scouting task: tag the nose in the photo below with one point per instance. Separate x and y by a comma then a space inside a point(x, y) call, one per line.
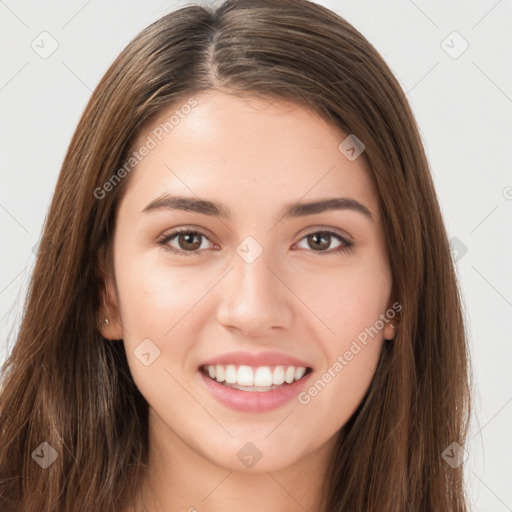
point(254, 299)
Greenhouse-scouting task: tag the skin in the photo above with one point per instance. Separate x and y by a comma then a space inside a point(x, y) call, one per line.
point(254, 156)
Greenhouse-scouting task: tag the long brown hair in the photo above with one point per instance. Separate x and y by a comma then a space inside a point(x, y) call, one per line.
point(65, 385)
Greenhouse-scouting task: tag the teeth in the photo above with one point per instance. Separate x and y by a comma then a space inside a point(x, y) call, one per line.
point(263, 376)
point(231, 374)
point(278, 375)
point(299, 372)
point(289, 376)
point(245, 376)
point(220, 374)
point(260, 378)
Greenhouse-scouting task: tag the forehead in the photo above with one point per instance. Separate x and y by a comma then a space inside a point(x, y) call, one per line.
point(246, 151)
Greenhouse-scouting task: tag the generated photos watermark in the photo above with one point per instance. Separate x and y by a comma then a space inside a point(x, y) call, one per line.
point(344, 359)
point(151, 142)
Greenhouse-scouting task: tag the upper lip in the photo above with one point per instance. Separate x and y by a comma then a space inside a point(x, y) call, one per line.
point(267, 358)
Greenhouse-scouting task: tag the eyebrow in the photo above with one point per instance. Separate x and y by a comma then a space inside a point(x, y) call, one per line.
point(215, 209)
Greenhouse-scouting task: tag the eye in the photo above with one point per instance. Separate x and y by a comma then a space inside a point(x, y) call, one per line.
point(188, 242)
point(321, 240)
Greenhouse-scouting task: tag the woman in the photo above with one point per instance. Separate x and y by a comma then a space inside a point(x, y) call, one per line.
point(244, 295)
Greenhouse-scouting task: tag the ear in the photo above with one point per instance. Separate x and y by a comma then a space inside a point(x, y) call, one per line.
point(109, 309)
point(391, 326)
point(390, 329)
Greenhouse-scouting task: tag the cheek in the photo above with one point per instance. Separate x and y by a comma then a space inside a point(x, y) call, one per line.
point(153, 297)
point(157, 312)
point(346, 301)
point(350, 303)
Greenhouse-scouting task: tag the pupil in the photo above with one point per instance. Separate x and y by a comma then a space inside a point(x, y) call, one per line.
point(318, 236)
point(187, 237)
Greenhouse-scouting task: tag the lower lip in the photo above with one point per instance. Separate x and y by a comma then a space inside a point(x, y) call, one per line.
point(254, 401)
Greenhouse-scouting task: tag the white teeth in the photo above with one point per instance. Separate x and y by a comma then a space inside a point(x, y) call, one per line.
point(231, 374)
point(245, 376)
point(289, 376)
point(299, 372)
point(278, 375)
point(220, 375)
point(262, 378)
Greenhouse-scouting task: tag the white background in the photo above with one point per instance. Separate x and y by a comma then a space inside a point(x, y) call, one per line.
point(462, 105)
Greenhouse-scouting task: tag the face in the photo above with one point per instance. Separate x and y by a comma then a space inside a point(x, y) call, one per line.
point(253, 332)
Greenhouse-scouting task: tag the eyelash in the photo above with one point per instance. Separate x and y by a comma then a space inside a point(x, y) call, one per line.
point(166, 238)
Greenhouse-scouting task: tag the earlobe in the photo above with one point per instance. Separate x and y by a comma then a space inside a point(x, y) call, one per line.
point(393, 318)
point(390, 330)
point(109, 320)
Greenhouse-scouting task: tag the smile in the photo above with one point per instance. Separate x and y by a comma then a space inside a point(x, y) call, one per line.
point(248, 378)
point(254, 389)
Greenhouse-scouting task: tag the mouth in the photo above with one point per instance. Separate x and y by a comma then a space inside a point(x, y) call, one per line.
point(259, 379)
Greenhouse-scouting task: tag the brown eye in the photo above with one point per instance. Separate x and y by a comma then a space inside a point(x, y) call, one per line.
point(320, 241)
point(185, 242)
point(189, 241)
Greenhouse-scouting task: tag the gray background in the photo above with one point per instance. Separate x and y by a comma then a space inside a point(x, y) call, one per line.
point(462, 104)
